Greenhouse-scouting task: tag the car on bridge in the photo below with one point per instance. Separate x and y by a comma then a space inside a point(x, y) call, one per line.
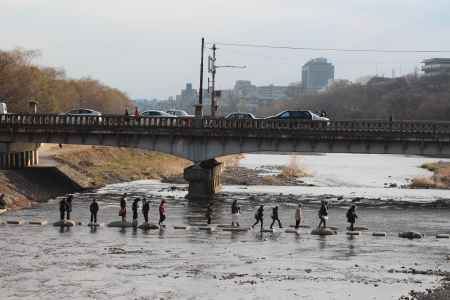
point(179, 113)
point(298, 115)
point(240, 116)
point(85, 112)
point(157, 114)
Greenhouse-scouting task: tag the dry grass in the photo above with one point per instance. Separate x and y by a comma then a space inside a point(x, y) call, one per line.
point(104, 165)
point(293, 169)
point(440, 178)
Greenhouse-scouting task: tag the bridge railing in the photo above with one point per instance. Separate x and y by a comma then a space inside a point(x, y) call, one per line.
point(129, 122)
point(341, 126)
point(100, 122)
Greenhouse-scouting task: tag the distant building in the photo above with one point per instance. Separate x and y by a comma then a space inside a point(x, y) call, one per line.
point(271, 92)
point(316, 73)
point(436, 66)
point(244, 89)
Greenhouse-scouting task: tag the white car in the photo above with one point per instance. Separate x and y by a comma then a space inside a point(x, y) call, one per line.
point(179, 113)
point(156, 114)
point(84, 112)
point(240, 116)
point(3, 109)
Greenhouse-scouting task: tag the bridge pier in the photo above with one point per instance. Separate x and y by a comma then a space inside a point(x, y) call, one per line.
point(203, 178)
point(18, 155)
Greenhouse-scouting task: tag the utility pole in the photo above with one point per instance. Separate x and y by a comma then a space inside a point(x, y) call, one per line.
point(213, 75)
point(212, 68)
point(199, 106)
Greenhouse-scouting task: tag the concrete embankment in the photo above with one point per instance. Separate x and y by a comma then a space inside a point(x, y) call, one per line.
point(70, 169)
point(25, 186)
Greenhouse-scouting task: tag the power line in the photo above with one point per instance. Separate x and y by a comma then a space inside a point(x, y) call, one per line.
point(246, 45)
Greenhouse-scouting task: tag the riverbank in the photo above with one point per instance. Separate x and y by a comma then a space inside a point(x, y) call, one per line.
point(440, 178)
point(70, 168)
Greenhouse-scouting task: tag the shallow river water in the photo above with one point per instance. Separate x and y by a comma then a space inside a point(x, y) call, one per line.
point(111, 263)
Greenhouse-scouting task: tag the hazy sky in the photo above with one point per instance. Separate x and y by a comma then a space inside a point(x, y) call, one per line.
point(150, 48)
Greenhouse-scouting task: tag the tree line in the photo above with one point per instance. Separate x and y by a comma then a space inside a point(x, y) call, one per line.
point(21, 80)
point(404, 98)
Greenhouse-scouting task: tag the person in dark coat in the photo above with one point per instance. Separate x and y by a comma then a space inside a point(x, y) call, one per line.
point(134, 208)
point(259, 216)
point(123, 208)
point(69, 206)
point(162, 212)
point(145, 209)
point(235, 212)
point(94, 210)
point(275, 217)
point(351, 216)
point(62, 208)
point(323, 214)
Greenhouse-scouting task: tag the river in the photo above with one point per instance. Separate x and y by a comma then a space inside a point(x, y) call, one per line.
point(110, 263)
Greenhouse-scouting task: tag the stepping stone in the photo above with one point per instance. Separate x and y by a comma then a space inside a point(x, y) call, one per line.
point(359, 228)
point(332, 228)
point(224, 226)
point(379, 234)
point(410, 235)
point(38, 222)
point(15, 222)
point(323, 231)
point(272, 230)
point(181, 227)
point(292, 231)
point(94, 225)
point(148, 226)
point(206, 228)
point(66, 223)
point(200, 224)
point(353, 233)
point(300, 226)
point(119, 224)
point(236, 229)
point(442, 236)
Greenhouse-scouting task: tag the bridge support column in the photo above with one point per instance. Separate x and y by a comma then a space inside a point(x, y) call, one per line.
point(203, 178)
point(18, 155)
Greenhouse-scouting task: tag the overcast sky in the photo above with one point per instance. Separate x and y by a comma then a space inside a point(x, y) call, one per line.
point(150, 48)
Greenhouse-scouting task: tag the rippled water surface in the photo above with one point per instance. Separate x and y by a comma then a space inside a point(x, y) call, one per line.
point(111, 263)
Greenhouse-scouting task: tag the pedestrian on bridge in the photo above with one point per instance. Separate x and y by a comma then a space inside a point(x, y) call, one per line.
point(162, 212)
point(69, 206)
point(323, 214)
point(145, 209)
point(94, 210)
point(351, 217)
point(137, 115)
point(275, 217)
point(259, 216)
point(62, 208)
point(298, 216)
point(123, 208)
point(134, 208)
point(235, 212)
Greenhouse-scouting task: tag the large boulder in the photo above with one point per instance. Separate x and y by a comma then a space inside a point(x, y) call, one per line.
point(410, 235)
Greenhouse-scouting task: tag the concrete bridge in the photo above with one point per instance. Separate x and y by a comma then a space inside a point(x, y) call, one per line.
point(202, 140)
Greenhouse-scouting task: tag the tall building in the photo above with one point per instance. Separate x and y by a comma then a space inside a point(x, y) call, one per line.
point(316, 73)
point(436, 66)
